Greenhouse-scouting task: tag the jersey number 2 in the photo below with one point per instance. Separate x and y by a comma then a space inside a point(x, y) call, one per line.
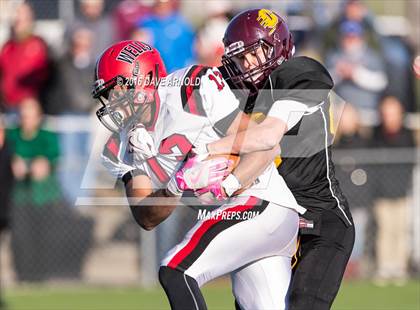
point(166, 148)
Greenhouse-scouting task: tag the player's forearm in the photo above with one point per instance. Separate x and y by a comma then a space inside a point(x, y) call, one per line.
point(151, 209)
point(253, 165)
point(148, 215)
point(262, 137)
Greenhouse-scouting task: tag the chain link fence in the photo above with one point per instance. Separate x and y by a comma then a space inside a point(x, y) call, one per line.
point(52, 240)
point(380, 185)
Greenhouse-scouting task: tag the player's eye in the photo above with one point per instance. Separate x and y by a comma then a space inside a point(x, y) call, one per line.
point(117, 94)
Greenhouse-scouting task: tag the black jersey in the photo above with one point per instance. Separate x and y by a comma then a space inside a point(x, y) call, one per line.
point(306, 163)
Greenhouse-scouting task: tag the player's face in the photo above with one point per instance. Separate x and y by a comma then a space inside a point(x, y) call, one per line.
point(251, 60)
point(124, 107)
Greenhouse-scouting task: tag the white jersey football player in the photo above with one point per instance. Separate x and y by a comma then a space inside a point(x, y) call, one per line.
point(158, 124)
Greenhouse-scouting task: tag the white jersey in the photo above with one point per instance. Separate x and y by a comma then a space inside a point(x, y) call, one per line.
point(193, 102)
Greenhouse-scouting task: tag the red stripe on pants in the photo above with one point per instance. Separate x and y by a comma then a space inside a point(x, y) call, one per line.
point(196, 237)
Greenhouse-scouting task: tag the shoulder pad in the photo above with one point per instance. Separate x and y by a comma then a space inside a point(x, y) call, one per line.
point(191, 99)
point(303, 71)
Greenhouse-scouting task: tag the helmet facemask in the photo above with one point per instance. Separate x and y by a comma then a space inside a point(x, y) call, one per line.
point(251, 79)
point(125, 102)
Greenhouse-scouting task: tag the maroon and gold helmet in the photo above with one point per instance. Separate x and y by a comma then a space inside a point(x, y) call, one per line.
point(246, 33)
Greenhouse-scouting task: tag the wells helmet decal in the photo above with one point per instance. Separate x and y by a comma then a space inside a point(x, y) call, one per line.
point(267, 19)
point(132, 50)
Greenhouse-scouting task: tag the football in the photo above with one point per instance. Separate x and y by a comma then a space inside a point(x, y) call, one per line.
point(234, 158)
point(235, 162)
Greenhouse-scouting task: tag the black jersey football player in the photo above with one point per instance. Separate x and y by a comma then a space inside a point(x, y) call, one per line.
point(293, 95)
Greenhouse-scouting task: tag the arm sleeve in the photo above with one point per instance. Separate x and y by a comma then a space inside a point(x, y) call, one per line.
point(112, 157)
point(128, 176)
point(289, 111)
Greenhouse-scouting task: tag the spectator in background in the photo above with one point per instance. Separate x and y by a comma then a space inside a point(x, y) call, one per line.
point(395, 50)
point(5, 189)
point(358, 71)
point(75, 74)
point(24, 64)
point(48, 239)
point(349, 132)
point(127, 14)
point(398, 56)
point(100, 25)
point(353, 11)
point(391, 188)
point(169, 32)
point(354, 178)
point(75, 103)
point(35, 154)
point(209, 44)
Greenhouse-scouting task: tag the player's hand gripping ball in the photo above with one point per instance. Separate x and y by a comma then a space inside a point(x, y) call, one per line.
point(213, 193)
point(197, 174)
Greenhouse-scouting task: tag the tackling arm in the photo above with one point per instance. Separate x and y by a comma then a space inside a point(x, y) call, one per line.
point(252, 164)
point(282, 116)
point(261, 137)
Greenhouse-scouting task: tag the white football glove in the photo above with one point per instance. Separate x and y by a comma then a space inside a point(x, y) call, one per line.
point(141, 143)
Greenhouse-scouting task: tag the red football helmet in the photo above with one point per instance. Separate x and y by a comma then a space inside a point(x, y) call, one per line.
point(127, 75)
point(247, 33)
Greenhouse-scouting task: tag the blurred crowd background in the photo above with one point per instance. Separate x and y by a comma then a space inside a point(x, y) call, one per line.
point(56, 220)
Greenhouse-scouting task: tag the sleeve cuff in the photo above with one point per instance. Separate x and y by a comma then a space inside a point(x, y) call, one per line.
point(131, 174)
point(289, 111)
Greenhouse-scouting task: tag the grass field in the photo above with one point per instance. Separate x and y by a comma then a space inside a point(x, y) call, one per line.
point(353, 296)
